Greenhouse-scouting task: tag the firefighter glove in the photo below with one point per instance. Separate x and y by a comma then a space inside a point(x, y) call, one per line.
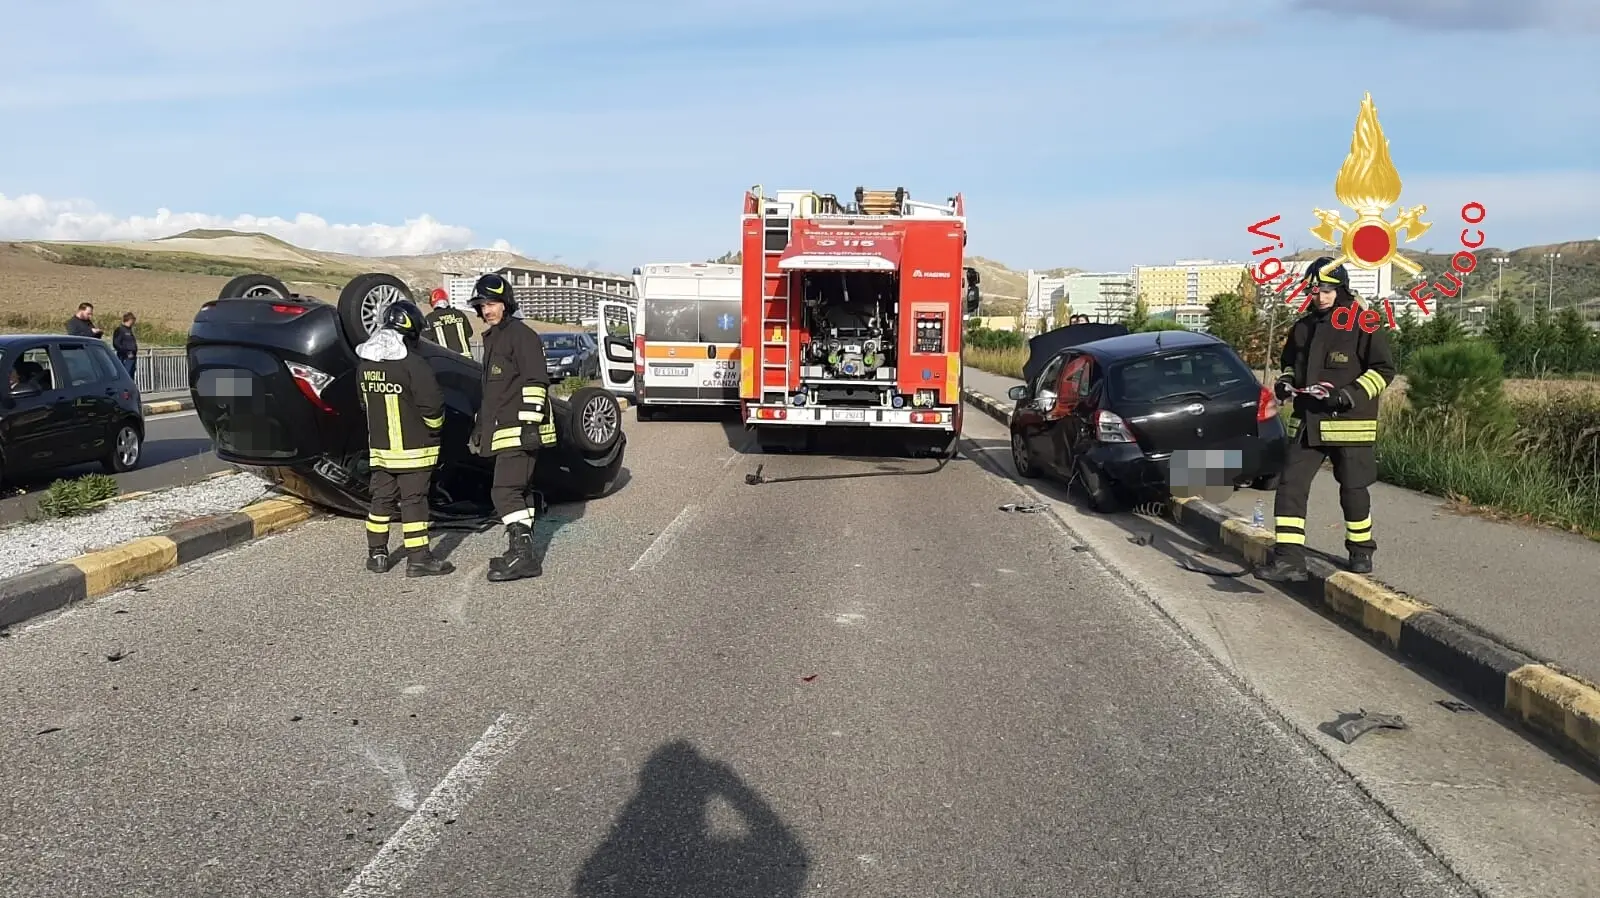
point(1283, 390)
point(1341, 400)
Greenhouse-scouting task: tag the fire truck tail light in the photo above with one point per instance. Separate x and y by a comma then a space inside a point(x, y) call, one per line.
point(927, 417)
point(772, 414)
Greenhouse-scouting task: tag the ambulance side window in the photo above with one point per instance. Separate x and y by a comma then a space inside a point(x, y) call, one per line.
point(672, 321)
point(719, 320)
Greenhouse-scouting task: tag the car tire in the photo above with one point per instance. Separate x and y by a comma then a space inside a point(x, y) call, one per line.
point(1101, 493)
point(127, 447)
point(594, 420)
point(362, 301)
point(1020, 460)
point(1266, 483)
point(254, 286)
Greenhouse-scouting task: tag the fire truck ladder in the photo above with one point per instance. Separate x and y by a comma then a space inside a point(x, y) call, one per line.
point(774, 327)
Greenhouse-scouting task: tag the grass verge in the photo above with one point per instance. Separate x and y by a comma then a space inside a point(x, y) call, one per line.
point(1004, 362)
point(150, 334)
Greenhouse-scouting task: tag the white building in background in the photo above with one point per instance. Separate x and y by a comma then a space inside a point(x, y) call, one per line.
point(1044, 294)
point(1105, 296)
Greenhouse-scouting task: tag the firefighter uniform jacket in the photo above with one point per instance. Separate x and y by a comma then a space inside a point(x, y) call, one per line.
point(450, 329)
point(405, 410)
point(516, 412)
point(1316, 351)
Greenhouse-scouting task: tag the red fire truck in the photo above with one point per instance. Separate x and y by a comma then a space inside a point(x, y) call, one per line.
point(852, 315)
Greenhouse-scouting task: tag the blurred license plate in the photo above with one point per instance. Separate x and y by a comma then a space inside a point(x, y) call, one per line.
point(670, 370)
point(850, 414)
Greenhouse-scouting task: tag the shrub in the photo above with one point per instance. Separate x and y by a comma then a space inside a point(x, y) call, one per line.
point(78, 495)
point(1457, 390)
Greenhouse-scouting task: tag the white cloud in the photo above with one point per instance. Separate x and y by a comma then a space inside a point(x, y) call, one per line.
point(33, 217)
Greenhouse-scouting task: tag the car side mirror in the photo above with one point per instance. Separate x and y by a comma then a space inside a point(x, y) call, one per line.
point(619, 350)
point(22, 391)
point(1017, 393)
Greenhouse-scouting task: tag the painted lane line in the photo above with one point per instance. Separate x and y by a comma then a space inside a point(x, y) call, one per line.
point(665, 539)
point(403, 851)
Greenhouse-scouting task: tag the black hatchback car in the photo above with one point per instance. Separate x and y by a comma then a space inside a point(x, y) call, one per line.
point(67, 401)
point(1116, 413)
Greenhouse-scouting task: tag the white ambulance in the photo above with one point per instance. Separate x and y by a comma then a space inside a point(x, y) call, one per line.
point(684, 332)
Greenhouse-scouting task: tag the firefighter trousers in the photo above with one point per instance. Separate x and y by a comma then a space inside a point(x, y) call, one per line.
point(404, 493)
point(513, 472)
point(1354, 467)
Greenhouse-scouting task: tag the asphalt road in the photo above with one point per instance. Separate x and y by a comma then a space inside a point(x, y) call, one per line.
point(176, 451)
point(869, 686)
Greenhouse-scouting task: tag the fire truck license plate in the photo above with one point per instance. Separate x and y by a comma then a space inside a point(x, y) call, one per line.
point(849, 414)
point(670, 370)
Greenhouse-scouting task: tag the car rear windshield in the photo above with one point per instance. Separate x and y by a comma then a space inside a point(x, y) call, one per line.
point(1200, 372)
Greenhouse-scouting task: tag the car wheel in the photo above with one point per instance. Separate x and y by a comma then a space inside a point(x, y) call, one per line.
point(594, 420)
point(362, 301)
point(126, 448)
point(1020, 459)
point(1102, 496)
point(254, 286)
point(1265, 483)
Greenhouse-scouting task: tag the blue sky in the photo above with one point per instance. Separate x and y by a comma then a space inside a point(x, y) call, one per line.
point(619, 132)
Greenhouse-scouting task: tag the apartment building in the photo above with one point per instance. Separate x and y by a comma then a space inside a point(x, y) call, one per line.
point(548, 295)
point(1105, 296)
point(1186, 282)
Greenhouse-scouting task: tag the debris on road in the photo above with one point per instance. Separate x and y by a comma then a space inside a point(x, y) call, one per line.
point(1459, 707)
point(1353, 726)
point(1023, 507)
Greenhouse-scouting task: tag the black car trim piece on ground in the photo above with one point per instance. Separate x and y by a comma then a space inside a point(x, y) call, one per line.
point(273, 379)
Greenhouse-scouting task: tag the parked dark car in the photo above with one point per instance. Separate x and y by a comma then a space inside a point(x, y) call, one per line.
point(571, 354)
point(1112, 412)
point(273, 376)
point(67, 401)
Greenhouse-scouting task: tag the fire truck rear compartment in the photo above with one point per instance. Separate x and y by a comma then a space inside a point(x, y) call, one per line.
point(852, 319)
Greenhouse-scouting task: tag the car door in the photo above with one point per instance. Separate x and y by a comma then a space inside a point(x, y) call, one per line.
point(1029, 420)
point(35, 422)
point(1060, 420)
point(614, 335)
point(1079, 397)
point(89, 401)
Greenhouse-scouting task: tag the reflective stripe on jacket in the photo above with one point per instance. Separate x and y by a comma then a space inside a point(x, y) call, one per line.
point(405, 411)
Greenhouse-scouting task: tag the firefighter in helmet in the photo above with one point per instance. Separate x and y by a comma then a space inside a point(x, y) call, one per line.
point(405, 411)
point(1334, 376)
point(515, 421)
point(448, 327)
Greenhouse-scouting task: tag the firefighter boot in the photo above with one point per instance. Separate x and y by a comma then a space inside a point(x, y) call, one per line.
point(1361, 561)
point(520, 561)
point(1285, 568)
point(378, 559)
point(423, 563)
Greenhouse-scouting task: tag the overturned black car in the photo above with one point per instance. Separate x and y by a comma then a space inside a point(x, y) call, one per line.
point(273, 374)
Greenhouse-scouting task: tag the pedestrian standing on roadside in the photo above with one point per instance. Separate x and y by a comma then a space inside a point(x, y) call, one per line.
point(125, 343)
point(82, 323)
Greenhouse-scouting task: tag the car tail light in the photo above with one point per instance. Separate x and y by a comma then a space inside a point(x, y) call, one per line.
point(638, 356)
point(284, 308)
point(1110, 428)
point(312, 382)
point(1266, 406)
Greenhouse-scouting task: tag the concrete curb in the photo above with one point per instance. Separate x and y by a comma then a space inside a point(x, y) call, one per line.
point(1531, 691)
point(51, 587)
point(169, 406)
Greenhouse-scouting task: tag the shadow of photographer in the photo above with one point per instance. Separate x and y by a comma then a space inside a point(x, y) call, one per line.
point(662, 843)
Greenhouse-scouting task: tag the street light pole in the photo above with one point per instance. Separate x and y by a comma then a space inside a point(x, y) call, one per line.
point(1550, 291)
point(1500, 284)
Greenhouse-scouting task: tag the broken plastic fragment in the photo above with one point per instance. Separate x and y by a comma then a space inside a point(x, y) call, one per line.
point(1354, 726)
point(1023, 507)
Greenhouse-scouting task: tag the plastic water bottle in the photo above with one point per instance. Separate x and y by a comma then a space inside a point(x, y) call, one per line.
point(1260, 518)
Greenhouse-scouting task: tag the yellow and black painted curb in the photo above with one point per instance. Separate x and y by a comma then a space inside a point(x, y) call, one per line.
point(54, 586)
point(1530, 691)
point(169, 406)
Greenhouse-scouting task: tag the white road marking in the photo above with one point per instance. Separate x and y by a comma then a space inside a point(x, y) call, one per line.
point(393, 768)
point(848, 618)
point(664, 540)
point(403, 851)
point(731, 459)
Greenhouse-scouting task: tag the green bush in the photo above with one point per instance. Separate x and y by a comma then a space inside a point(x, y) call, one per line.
point(78, 495)
point(984, 338)
point(1457, 389)
point(1565, 431)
